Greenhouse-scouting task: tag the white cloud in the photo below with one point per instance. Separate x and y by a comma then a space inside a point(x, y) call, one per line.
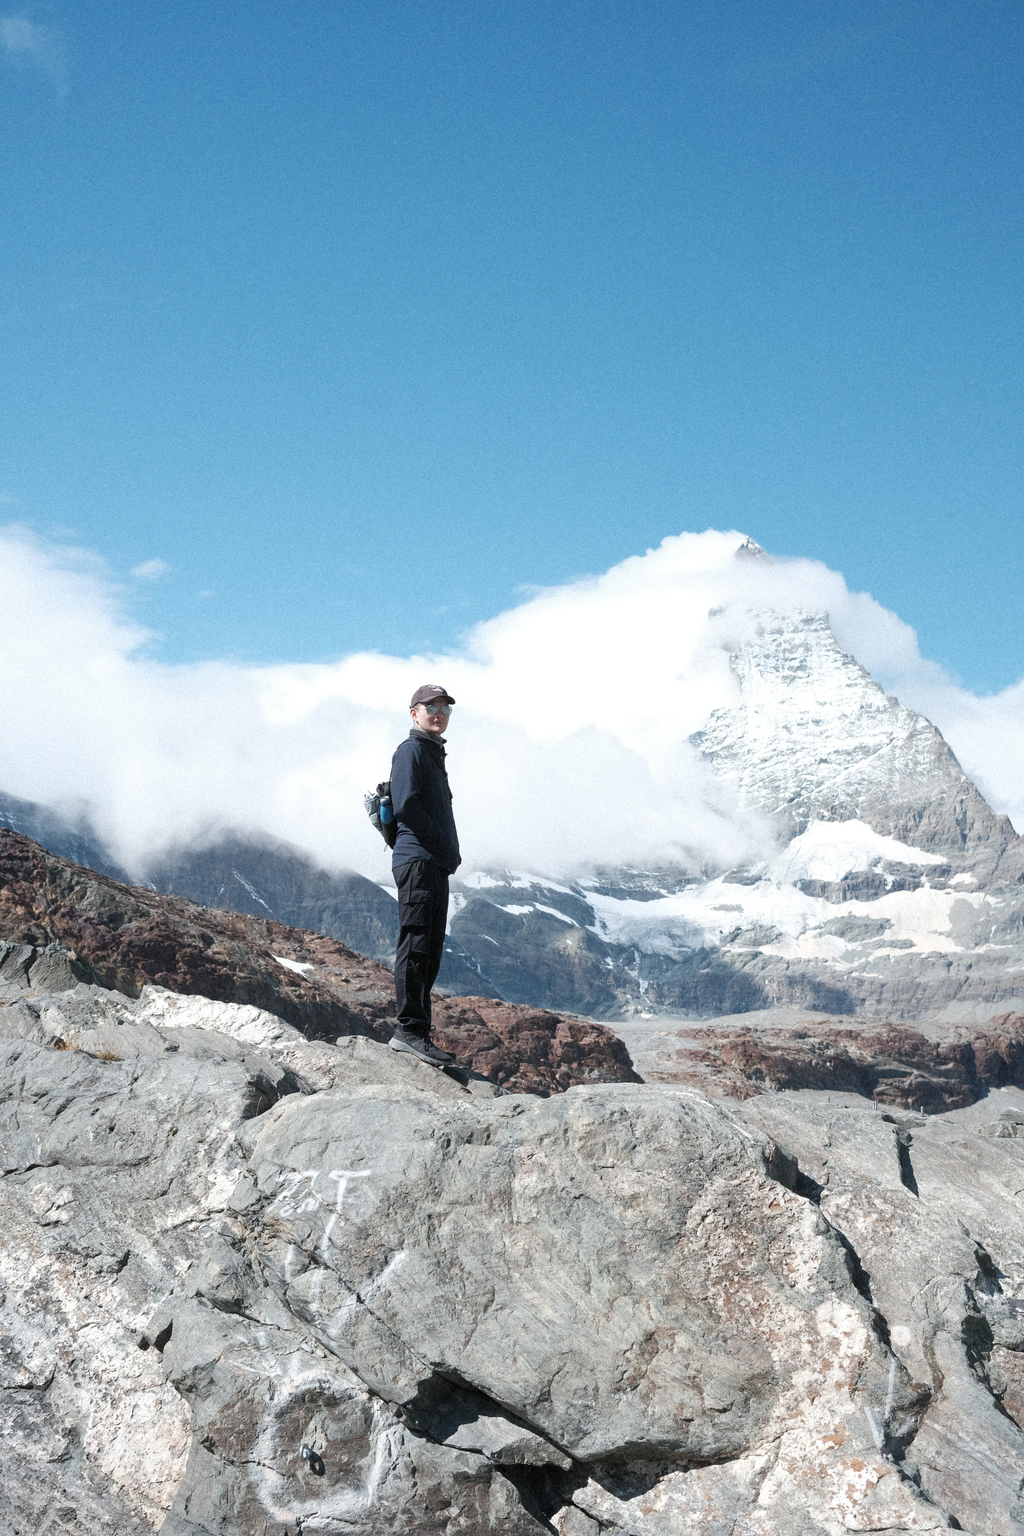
point(568, 743)
point(150, 570)
point(25, 41)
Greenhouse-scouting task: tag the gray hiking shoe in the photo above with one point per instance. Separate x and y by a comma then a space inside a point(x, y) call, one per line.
point(426, 1050)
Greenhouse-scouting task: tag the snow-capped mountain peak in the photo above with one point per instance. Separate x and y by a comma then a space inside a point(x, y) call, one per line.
point(814, 737)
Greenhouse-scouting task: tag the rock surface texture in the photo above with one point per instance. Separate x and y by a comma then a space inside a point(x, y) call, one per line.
point(904, 1190)
point(257, 1285)
point(928, 1066)
point(61, 923)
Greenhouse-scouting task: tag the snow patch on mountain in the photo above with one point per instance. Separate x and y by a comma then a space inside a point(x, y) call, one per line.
point(703, 915)
point(830, 850)
point(513, 880)
point(776, 918)
point(538, 906)
point(914, 921)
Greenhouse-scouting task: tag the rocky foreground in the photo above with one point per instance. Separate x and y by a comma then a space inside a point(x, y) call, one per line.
point(256, 1284)
point(260, 1275)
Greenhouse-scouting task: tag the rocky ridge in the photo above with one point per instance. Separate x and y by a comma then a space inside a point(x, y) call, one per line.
point(263, 877)
point(70, 836)
point(256, 875)
point(61, 923)
point(928, 1066)
point(255, 1284)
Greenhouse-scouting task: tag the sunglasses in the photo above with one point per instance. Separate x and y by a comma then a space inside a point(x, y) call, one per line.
point(435, 707)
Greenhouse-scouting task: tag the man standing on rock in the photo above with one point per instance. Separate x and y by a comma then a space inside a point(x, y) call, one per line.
point(426, 852)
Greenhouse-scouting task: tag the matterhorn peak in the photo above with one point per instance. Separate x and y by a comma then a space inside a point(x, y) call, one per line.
point(749, 550)
point(814, 737)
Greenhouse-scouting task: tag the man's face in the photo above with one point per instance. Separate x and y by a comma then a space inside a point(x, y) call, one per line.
point(436, 723)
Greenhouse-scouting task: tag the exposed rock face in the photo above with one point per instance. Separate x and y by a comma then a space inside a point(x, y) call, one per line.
point(815, 738)
point(934, 1218)
point(928, 1066)
point(254, 1283)
point(70, 838)
point(898, 946)
point(263, 877)
point(63, 923)
point(526, 940)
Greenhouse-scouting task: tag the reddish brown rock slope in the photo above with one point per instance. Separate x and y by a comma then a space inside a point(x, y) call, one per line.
point(125, 936)
point(928, 1066)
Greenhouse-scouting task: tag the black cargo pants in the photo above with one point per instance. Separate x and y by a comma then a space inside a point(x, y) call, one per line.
point(423, 915)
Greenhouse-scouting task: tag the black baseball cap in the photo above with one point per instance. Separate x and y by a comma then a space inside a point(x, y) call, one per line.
point(428, 693)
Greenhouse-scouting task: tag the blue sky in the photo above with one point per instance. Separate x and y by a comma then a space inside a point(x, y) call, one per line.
point(362, 317)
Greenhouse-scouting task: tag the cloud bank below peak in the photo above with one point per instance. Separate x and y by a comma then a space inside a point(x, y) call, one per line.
point(568, 745)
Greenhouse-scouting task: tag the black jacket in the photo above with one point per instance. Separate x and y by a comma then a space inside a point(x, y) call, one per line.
point(423, 804)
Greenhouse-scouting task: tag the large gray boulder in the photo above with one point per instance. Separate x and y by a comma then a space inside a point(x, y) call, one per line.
point(618, 1269)
point(575, 1260)
point(932, 1207)
point(254, 1285)
point(144, 1366)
